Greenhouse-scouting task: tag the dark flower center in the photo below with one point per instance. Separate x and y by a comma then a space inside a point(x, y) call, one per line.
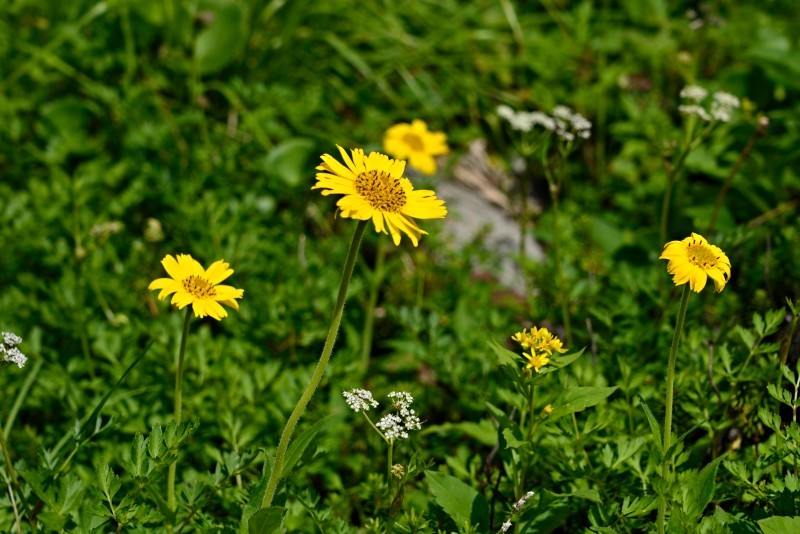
point(199, 287)
point(382, 191)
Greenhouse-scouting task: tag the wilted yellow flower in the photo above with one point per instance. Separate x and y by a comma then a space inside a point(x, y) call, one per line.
point(191, 284)
point(413, 142)
point(694, 260)
point(374, 188)
point(537, 361)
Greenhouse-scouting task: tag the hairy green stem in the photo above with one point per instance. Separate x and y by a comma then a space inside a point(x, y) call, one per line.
point(178, 408)
point(662, 508)
point(283, 444)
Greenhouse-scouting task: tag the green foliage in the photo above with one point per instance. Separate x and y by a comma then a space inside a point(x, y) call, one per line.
point(136, 129)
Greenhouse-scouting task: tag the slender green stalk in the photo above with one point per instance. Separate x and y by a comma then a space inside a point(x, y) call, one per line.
point(9, 466)
point(662, 508)
point(178, 408)
point(283, 444)
point(369, 318)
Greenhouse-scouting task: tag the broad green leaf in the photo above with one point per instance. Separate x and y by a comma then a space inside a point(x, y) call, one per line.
point(462, 502)
point(217, 44)
point(575, 399)
point(266, 521)
point(780, 525)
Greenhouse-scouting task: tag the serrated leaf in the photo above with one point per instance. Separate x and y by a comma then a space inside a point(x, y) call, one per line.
point(155, 442)
point(701, 490)
point(505, 356)
point(758, 323)
point(459, 500)
point(512, 441)
point(576, 399)
point(266, 521)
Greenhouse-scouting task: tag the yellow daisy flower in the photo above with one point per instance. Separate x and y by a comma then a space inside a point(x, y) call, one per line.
point(413, 142)
point(537, 361)
point(374, 188)
point(191, 284)
point(694, 260)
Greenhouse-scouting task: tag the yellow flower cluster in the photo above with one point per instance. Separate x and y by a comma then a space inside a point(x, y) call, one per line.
point(541, 344)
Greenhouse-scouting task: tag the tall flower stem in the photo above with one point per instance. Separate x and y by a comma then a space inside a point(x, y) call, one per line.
point(662, 508)
point(178, 407)
point(283, 444)
point(555, 184)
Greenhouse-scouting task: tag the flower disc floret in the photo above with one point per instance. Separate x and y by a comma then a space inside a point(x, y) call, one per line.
point(373, 187)
point(694, 260)
point(189, 283)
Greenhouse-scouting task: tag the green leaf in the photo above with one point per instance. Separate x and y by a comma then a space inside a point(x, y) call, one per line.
point(254, 502)
point(505, 356)
point(300, 444)
point(483, 431)
point(701, 490)
point(779, 525)
point(217, 45)
point(288, 161)
point(266, 521)
point(654, 427)
point(460, 501)
point(576, 399)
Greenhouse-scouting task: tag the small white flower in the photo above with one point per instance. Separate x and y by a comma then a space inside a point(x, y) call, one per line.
point(359, 399)
point(695, 93)
point(392, 426)
point(505, 111)
point(401, 399)
point(11, 339)
point(542, 119)
point(9, 350)
point(722, 106)
point(505, 527)
point(691, 109)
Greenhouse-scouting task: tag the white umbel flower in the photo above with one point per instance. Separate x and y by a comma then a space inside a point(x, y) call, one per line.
point(722, 106)
point(694, 93)
point(693, 109)
point(359, 400)
point(9, 351)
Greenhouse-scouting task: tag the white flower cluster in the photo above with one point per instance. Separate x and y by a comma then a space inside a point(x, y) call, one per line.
point(721, 109)
point(9, 350)
point(571, 123)
point(396, 426)
point(566, 123)
point(359, 400)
